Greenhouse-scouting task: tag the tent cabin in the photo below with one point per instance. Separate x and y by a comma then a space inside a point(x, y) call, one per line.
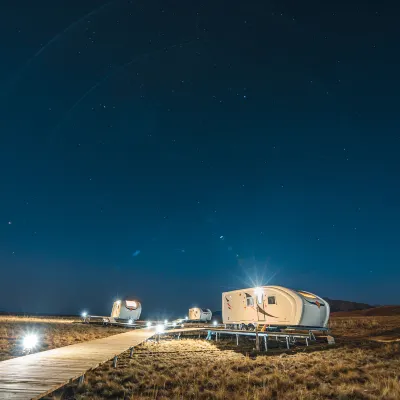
point(126, 310)
point(275, 306)
point(200, 314)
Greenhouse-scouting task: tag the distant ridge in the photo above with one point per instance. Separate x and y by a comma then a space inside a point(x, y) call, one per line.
point(381, 311)
point(343, 305)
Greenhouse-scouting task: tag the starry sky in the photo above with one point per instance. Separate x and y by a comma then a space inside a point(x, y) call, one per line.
point(173, 150)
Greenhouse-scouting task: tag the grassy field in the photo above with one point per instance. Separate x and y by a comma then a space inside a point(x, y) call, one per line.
point(53, 332)
point(364, 364)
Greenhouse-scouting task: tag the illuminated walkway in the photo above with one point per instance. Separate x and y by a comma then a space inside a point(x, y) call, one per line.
point(36, 375)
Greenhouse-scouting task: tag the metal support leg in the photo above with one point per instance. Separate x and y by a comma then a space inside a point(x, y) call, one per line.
point(265, 343)
point(131, 354)
point(237, 340)
point(115, 361)
point(287, 343)
point(216, 336)
point(307, 341)
point(257, 342)
point(179, 336)
point(81, 380)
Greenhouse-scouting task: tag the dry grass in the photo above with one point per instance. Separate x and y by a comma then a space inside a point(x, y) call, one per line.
point(29, 318)
point(53, 332)
point(356, 368)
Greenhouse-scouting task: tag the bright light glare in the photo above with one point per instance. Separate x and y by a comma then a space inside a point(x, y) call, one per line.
point(148, 324)
point(134, 304)
point(118, 301)
point(30, 341)
point(165, 321)
point(84, 314)
point(186, 317)
point(174, 324)
point(130, 321)
point(215, 323)
point(160, 329)
point(259, 293)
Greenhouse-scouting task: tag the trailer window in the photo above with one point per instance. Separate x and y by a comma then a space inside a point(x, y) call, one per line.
point(271, 300)
point(250, 302)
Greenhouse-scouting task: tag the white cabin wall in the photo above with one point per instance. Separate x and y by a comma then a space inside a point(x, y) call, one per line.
point(290, 308)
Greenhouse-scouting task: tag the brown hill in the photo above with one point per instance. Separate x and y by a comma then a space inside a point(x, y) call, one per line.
point(382, 311)
point(343, 305)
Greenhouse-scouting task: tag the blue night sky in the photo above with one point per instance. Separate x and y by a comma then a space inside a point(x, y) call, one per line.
point(173, 150)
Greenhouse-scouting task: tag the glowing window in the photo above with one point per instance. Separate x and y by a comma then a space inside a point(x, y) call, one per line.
point(310, 296)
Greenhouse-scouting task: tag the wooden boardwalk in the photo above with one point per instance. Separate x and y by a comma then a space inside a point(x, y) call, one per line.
point(36, 375)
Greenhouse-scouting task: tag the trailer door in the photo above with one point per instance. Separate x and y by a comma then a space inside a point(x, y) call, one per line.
point(260, 306)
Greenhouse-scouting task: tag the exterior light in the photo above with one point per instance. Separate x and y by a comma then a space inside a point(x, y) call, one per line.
point(174, 324)
point(165, 321)
point(130, 321)
point(148, 324)
point(259, 293)
point(160, 328)
point(84, 314)
point(30, 341)
point(215, 323)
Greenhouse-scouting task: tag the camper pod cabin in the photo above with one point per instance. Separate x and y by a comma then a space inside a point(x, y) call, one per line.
point(126, 310)
point(200, 314)
point(273, 306)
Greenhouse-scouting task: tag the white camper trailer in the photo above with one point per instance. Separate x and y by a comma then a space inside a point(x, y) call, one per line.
point(126, 310)
point(275, 306)
point(200, 314)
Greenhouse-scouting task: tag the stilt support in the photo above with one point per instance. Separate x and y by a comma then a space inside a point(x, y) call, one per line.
point(115, 361)
point(257, 342)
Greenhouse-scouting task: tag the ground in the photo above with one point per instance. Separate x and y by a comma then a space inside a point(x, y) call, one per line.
point(53, 332)
point(364, 364)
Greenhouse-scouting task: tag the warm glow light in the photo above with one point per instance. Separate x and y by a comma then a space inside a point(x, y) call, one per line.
point(30, 341)
point(160, 329)
point(310, 296)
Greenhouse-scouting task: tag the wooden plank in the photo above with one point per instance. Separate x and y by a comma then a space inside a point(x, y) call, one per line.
point(36, 375)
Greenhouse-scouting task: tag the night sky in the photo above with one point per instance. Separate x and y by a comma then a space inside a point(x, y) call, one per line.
point(173, 150)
